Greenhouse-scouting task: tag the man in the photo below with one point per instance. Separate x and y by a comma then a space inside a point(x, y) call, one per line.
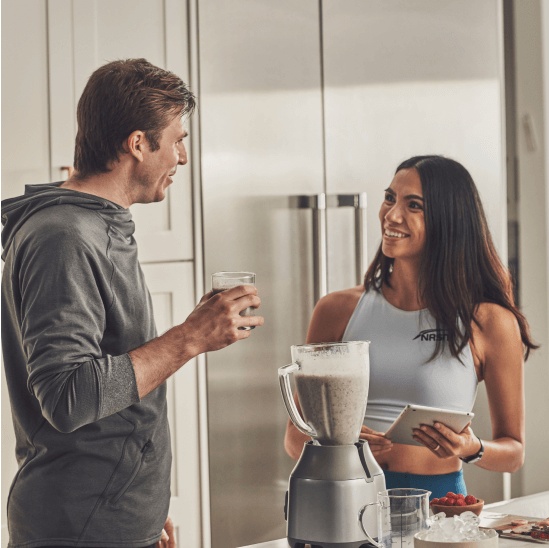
point(84, 367)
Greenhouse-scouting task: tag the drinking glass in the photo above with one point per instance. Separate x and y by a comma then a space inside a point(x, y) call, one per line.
point(221, 281)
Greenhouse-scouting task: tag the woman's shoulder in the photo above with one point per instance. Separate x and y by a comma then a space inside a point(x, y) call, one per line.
point(495, 324)
point(332, 313)
point(495, 316)
point(344, 298)
point(496, 341)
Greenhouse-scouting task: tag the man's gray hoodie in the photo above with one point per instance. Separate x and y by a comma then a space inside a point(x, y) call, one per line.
point(94, 461)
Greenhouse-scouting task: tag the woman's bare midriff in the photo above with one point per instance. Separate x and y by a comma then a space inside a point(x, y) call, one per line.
point(416, 460)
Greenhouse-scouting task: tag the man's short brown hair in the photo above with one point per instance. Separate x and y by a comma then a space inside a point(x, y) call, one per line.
point(122, 97)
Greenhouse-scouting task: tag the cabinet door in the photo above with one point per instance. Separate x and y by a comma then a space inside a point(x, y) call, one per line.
point(172, 290)
point(25, 153)
point(84, 36)
point(25, 121)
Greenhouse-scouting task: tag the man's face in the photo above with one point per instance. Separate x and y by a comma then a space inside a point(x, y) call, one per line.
point(155, 173)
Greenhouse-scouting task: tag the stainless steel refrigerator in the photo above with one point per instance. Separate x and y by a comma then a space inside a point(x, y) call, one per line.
point(305, 108)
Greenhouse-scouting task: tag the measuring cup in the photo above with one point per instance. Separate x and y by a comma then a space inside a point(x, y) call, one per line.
point(401, 514)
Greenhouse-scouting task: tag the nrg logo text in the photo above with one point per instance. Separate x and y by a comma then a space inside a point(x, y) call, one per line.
point(432, 335)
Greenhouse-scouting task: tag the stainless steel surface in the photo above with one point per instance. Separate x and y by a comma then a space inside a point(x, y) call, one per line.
point(359, 203)
point(328, 487)
point(361, 237)
point(317, 203)
point(305, 98)
point(259, 108)
point(320, 252)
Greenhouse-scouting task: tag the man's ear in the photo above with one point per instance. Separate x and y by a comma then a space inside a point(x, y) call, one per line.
point(135, 144)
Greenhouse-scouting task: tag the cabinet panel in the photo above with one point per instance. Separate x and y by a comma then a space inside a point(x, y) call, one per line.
point(9, 463)
point(25, 122)
point(84, 36)
point(172, 290)
point(25, 153)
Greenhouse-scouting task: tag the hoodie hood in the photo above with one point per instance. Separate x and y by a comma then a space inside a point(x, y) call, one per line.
point(16, 211)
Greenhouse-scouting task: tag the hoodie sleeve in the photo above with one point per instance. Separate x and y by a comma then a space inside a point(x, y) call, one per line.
point(64, 283)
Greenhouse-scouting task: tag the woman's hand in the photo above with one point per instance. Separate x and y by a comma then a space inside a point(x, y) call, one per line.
point(376, 440)
point(445, 443)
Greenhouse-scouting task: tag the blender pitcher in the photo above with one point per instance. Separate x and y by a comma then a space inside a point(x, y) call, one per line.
point(336, 473)
point(332, 381)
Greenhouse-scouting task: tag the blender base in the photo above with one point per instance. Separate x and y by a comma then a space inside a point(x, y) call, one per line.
point(298, 543)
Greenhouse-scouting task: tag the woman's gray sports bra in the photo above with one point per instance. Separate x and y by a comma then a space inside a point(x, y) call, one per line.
point(400, 371)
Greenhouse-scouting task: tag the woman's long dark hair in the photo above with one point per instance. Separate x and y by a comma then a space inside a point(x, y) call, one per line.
point(460, 267)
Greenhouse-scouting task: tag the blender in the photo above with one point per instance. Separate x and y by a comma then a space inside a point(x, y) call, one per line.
point(336, 474)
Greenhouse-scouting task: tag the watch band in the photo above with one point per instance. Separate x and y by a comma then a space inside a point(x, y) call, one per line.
point(477, 456)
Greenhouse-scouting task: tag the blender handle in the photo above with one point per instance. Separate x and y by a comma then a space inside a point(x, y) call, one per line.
point(284, 378)
point(360, 516)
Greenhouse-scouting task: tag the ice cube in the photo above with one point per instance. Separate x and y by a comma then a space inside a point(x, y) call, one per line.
point(464, 527)
point(470, 518)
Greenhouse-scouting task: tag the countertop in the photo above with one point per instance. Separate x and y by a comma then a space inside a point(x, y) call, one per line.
point(536, 506)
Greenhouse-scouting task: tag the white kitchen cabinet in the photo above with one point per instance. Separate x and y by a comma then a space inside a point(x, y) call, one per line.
point(172, 291)
point(49, 49)
point(25, 120)
point(25, 150)
point(86, 35)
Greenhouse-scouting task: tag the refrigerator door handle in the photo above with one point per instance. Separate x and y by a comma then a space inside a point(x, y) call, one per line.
point(358, 202)
point(317, 202)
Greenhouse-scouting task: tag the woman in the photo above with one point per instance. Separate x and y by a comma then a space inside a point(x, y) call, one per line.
point(437, 306)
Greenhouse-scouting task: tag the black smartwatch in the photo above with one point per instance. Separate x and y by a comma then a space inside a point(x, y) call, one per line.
point(477, 456)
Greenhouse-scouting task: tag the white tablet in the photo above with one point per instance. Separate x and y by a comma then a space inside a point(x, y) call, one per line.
point(412, 416)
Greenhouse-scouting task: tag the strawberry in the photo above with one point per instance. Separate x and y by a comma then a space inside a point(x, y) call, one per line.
point(460, 502)
point(460, 497)
point(435, 501)
point(470, 499)
point(443, 501)
point(450, 495)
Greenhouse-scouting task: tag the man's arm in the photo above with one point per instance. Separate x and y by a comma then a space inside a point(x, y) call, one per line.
point(62, 310)
point(212, 325)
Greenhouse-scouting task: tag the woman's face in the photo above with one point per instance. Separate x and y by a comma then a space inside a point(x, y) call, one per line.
point(402, 217)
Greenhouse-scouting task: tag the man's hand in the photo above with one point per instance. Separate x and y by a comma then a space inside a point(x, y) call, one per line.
point(212, 325)
point(167, 540)
point(215, 322)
